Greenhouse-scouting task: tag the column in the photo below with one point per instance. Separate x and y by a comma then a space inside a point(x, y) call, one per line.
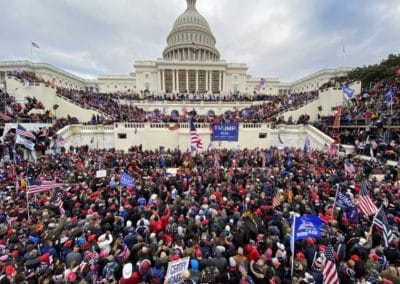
point(187, 80)
point(162, 80)
point(223, 80)
point(207, 80)
point(220, 82)
point(173, 80)
point(210, 81)
point(159, 80)
point(177, 80)
point(197, 80)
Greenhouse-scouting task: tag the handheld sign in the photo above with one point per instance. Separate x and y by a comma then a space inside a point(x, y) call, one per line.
point(176, 268)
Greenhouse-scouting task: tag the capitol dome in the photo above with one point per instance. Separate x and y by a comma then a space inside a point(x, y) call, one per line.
point(191, 37)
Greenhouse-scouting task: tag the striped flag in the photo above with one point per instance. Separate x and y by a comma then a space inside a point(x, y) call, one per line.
point(276, 200)
point(381, 222)
point(329, 271)
point(60, 205)
point(338, 115)
point(37, 186)
point(60, 140)
point(349, 167)
point(27, 143)
point(23, 132)
point(195, 139)
point(367, 207)
point(125, 252)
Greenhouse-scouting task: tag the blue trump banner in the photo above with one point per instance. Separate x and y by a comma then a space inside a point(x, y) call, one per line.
point(225, 132)
point(307, 226)
point(127, 180)
point(344, 201)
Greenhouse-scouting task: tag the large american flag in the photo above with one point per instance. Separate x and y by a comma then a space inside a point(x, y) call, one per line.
point(37, 186)
point(329, 271)
point(23, 132)
point(195, 139)
point(367, 206)
point(381, 222)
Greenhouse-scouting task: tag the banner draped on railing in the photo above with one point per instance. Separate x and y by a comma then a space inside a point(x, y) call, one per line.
point(225, 132)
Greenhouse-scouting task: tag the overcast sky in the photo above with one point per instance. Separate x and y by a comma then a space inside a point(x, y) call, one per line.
point(284, 38)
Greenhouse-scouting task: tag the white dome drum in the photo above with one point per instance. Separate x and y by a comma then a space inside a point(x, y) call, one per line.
point(191, 38)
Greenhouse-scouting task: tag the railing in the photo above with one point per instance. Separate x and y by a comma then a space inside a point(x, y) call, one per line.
point(79, 105)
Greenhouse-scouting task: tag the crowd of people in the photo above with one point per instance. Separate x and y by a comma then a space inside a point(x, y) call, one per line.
point(119, 106)
point(196, 97)
point(217, 208)
point(230, 211)
point(265, 112)
point(12, 111)
point(370, 120)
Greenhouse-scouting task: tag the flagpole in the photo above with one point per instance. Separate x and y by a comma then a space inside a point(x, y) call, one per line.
point(292, 245)
point(31, 51)
point(27, 197)
point(373, 221)
point(391, 105)
point(120, 196)
point(334, 202)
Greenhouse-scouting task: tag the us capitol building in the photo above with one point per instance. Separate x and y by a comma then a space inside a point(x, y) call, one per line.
point(190, 63)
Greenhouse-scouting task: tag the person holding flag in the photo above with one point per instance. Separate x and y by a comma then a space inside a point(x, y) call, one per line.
point(195, 139)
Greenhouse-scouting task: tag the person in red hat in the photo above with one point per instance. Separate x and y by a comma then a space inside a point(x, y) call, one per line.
point(10, 271)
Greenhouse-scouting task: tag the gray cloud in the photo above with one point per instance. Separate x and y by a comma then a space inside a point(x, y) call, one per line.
point(285, 39)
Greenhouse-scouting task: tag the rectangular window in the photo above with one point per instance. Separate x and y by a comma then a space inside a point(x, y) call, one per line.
point(262, 135)
point(121, 135)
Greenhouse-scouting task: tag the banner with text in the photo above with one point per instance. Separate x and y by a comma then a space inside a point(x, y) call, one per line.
point(225, 132)
point(176, 268)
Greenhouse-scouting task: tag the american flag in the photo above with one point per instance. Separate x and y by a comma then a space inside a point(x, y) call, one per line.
point(195, 139)
point(329, 271)
point(60, 140)
point(35, 45)
point(125, 252)
point(366, 205)
point(276, 200)
point(37, 186)
point(60, 205)
point(381, 222)
point(349, 168)
point(23, 132)
point(195, 47)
